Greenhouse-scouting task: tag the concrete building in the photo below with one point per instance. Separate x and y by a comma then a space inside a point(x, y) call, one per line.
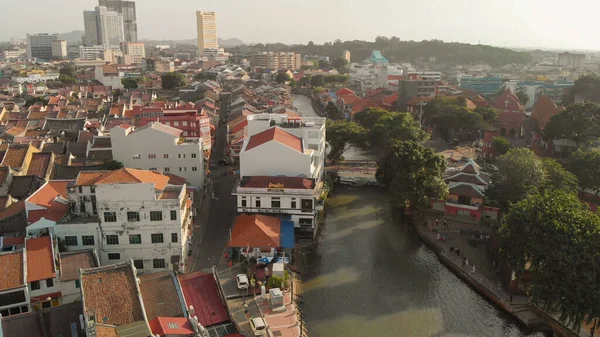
point(483, 85)
point(408, 89)
point(59, 50)
point(346, 55)
point(167, 152)
point(70, 263)
point(276, 60)
point(103, 28)
point(14, 53)
point(14, 290)
point(570, 60)
point(158, 65)
point(40, 45)
point(128, 214)
point(127, 9)
point(133, 52)
point(282, 167)
point(206, 23)
point(109, 76)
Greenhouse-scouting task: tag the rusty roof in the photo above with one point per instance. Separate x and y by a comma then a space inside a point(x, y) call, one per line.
point(15, 155)
point(12, 275)
point(160, 295)
point(71, 262)
point(39, 165)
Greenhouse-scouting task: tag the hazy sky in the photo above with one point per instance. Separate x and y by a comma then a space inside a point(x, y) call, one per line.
point(517, 23)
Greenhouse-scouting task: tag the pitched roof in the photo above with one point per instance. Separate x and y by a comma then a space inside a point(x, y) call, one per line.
point(200, 291)
point(287, 182)
point(160, 295)
point(544, 109)
point(71, 262)
point(40, 259)
point(256, 230)
point(465, 189)
point(3, 174)
point(39, 164)
point(159, 127)
point(15, 155)
point(27, 324)
point(108, 70)
point(23, 186)
point(171, 326)
point(53, 197)
point(122, 176)
point(344, 91)
point(115, 305)
point(12, 270)
point(277, 134)
point(470, 167)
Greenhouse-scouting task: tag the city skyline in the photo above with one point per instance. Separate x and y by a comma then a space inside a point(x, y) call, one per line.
point(522, 24)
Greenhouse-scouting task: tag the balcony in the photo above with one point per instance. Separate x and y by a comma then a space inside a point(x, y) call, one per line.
point(455, 203)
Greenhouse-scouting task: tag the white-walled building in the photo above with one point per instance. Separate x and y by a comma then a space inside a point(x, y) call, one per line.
point(128, 214)
point(282, 165)
point(159, 147)
point(42, 278)
point(109, 76)
point(59, 49)
point(13, 287)
point(103, 27)
point(70, 263)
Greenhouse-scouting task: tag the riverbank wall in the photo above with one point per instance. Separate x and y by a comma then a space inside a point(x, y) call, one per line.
point(518, 308)
point(313, 102)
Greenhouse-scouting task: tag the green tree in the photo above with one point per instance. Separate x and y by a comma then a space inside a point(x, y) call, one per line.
point(339, 63)
point(340, 135)
point(488, 114)
point(413, 174)
point(459, 123)
point(554, 236)
point(557, 177)
point(394, 126)
point(282, 77)
point(585, 165)
point(68, 69)
point(522, 95)
point(130, 82)
point(500, 145)
point(66, 79)
point(520, 173)
point(200, 76)
point(578, 122)
point(304, 81)
point(587, 87)
point(324, 64)
point(369, 117)
point(317, 81)
point(172, 80)
point(333, 111)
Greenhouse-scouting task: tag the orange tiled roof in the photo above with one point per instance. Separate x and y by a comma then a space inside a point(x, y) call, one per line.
point(160, 295)
point(122, 176)
point(15, 155)
point(70, 262)
point(255, 230)
point(40, 259)
point(40, 162)
point(45, 196)
point(15, 131)
point(277, 134)
point(12, 270)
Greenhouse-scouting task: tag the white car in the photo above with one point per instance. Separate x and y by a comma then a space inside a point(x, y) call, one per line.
point(242, 281)
point(258, 326)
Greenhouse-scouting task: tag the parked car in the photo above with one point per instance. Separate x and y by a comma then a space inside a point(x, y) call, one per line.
point(242, 281)
point(224, 162)
point(258, 326)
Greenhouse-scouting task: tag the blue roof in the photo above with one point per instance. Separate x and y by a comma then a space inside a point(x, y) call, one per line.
point(287, 234)
point(377, 57)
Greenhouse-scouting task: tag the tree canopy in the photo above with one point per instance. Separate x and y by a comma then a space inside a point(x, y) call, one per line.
point(282, 78)
point(317, 81)
point(333, 111)
point(522, 95)
point(413, 174)
point(554, 236)
point(172, 80)
point(339, 63)
point(456, 122)
point(130, 82)
point(488, 114)
point(501, 145)
point(585, 165)
point(587, 87)
point(393, 126)
point(578, 122)
point(340, 135)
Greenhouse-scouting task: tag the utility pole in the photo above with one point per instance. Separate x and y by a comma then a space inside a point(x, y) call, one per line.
point(421, 105)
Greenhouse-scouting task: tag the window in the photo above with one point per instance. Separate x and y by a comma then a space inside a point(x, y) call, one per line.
point(139, 264)
point(137, 156)
point(114, 256)
point(110, 216)
point(173, 215)
point(183, 156)
point(157, 238)
point(158, 263)
point(176, 123)
point(179, 168)
point(179, 155)
point(112, 239)
point(35, 285)
point(166, 156)
point(93, 189)
point(184, 123)
point(185, 169)
point(307, 204)
point(49, 283)
point(87, 240)
point(305, 221)
point(71, 240)
point(77, 284)
point(80, 188)
point(133, 216)
point(275, 203)
point(257, 203)
point(243, 202)
point(155, 215)
point(135, 239)
point(151, 156)
point(194, 168)
point(293, 204)
point(167, 169)
point(194, 155)
point(152, 169)
point(173, 237)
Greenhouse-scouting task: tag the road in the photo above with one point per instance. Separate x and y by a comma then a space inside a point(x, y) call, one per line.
point(211, 230)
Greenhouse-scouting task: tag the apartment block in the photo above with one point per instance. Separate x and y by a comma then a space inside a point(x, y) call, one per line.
point(277, 60)
point(40, 45)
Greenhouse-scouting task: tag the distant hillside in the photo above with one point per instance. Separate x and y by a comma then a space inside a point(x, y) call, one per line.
point(73, 37)
point(397, 50)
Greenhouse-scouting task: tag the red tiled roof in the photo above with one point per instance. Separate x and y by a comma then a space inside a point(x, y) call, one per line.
point(71, 262)
point(390, 100)
point(344, 91)
point(40, 162)
point(175, 179)
point(40, 260)
point(122, 176)
point(239, 126)
point(15, 131)
point(255, 230)
point(15, 155)
point(12, 270)
point(200, 291)
point(278, 135)
point(16, 241)
point(288, 182)
point(159, 295)
point(171, 326)
point(3, 174)
point(544, 109)
point(46, 196)
point(12, 210)
point(350, 99)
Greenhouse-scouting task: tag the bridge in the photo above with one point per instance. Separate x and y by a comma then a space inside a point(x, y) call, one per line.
point(365, 168)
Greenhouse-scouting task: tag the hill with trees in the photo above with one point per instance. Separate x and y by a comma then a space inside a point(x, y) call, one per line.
point(397, 50)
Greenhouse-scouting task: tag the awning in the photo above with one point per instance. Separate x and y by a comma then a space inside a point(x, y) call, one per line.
point(287, 234)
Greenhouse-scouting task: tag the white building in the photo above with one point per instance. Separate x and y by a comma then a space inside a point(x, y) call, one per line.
point(282, 164)
point(109, 76)
point(42, 277)
point(59, 50)
point(13, 288)
point(70, 263)
point(206, 23)
point(103, 27)
point(40, 45)
point(36, 78)
point(128, 214)
point(15, 53)
point(133, 52)
point(159, 147)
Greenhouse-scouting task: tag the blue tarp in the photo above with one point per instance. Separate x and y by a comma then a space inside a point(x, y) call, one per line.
point(287, 234)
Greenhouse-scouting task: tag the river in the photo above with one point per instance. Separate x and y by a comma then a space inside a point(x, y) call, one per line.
point(367, 276)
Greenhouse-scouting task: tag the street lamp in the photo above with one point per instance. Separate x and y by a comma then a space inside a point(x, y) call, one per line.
point(421, 105)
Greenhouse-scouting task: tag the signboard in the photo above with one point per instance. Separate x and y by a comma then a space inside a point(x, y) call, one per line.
point(205, 132)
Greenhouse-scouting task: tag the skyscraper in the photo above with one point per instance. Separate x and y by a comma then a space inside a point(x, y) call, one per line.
point(40, 45)
point(207, 31)
point(127, 9)
point(103, 28)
